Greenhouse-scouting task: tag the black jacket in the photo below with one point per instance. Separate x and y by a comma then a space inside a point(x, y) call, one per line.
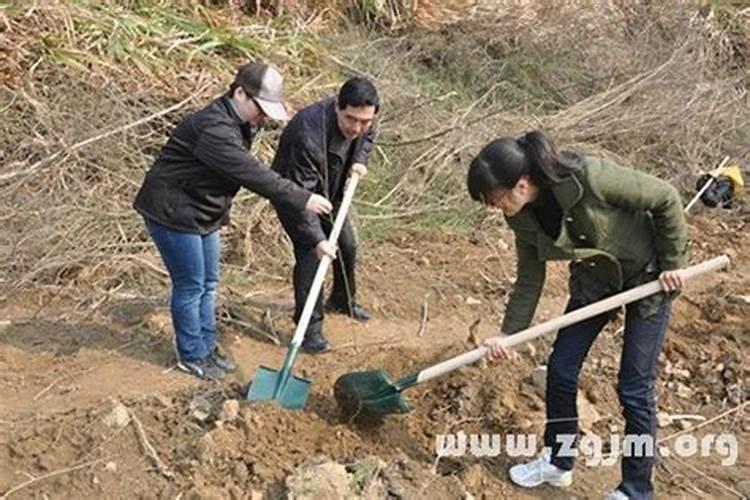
point(303, 157)
point(199, 170)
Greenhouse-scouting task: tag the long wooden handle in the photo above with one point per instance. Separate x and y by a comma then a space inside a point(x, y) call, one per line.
point(320, 274)
point(714, 173)
point(572, 317)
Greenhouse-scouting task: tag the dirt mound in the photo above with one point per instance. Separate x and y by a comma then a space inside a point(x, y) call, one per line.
point(91, 405)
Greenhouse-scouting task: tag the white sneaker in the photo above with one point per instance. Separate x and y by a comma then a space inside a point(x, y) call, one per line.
point(540, 471)
point(616, 495)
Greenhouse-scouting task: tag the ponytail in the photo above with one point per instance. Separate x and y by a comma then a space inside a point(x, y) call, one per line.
point(544, 163)
point(502, 162)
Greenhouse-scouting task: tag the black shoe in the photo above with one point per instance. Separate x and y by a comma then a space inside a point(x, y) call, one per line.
point(315, 343)
point(356, 311)
point(223, 362)
point(205, 369)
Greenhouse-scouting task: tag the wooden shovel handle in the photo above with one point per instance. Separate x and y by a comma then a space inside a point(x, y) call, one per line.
point(572, 317)
point(320, 273)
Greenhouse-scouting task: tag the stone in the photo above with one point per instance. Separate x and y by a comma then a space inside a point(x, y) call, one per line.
point(118, 418)
point(587, 413)
point(743, 300)
point(326, 480)
point(230, 409)
point(111, 466)
point(240, 472)
point(200, 408)
point(683, 391)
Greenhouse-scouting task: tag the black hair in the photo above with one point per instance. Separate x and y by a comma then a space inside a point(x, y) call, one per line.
point(358, 92)
point(502, 162)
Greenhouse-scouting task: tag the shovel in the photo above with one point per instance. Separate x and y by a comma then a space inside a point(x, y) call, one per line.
point(374, 394)
point(282, 386)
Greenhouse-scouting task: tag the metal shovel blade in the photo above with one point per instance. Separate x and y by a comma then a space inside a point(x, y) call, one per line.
point(369, 394)
point(269, 385)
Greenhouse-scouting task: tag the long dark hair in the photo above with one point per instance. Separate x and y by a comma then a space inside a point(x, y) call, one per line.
point(502, 162)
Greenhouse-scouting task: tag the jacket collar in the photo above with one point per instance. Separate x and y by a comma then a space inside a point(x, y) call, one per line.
point(332, 124)
point(226, 100)
point(568, 192)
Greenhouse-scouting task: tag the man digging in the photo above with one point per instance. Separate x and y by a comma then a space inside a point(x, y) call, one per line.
point(320, 147)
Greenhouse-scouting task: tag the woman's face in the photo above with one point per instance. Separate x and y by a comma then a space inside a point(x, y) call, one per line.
point(512, 200)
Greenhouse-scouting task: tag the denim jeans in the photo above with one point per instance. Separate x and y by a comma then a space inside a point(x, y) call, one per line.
point(193, 264)
point(642, 342)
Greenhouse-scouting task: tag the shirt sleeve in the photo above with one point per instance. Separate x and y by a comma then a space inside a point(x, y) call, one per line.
point(530, 276)
point(302, 169)
point(220, 148)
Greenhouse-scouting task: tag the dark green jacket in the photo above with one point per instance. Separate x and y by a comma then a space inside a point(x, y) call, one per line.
point(620, 228)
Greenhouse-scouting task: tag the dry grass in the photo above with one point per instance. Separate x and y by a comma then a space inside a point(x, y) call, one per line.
point(90, 91)
point(650, 85)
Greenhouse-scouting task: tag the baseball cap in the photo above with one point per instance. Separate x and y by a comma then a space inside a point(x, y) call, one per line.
point(264, 83)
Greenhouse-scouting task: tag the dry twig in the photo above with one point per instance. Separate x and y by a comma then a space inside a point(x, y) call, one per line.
point(710, 479)
point(148, 448)
point(79, 145)
point(56, 473)
point(423, 320)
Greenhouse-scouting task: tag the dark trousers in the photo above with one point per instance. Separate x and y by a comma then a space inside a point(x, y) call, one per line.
point(643, 340)
point(344, 287)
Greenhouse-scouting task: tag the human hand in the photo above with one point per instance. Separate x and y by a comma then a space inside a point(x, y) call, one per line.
point(671, 280)
point(318, 204)
point(359, 169)
point(325, 248)
point(496, 349)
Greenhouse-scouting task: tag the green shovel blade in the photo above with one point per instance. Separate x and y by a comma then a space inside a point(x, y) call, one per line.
point(269, 385)
point(371, 393)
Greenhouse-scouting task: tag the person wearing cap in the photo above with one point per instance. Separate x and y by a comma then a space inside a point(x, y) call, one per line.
point(187, 194)
point(318, 150)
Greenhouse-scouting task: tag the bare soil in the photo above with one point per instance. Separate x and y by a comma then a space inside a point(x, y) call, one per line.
point(92, 406)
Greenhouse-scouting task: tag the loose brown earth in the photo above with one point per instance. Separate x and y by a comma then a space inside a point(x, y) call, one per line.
point(63, 373)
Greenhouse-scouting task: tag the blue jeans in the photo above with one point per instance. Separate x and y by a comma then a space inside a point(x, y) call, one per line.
point(642, 342)
point(193, 264)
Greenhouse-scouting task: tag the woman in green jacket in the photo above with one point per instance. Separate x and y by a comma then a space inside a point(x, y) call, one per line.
point(618, 228)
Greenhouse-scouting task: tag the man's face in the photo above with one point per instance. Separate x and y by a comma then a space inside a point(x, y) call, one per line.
point(249, 110)
point(259, 118)
point(355, 121)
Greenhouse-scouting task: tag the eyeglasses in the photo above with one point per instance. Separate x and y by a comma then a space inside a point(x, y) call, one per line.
point(260, 109)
